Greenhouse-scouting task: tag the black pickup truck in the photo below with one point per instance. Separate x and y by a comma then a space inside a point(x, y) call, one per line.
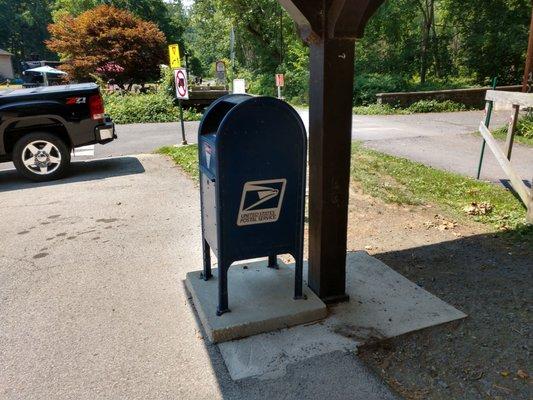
point(40, 126)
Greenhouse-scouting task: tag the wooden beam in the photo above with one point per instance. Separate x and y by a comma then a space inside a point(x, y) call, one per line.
point(524, 100)
point(330, 27)
point(308, 16)
point(509, 141)
point(338, 19)
point(330, 137)
point(519, 186)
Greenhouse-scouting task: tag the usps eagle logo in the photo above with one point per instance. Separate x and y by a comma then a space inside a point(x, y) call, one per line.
point(261, 202)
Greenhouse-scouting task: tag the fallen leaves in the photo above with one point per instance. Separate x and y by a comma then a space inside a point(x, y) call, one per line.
point(522, 374)
point(440, 223)
point(483, 208)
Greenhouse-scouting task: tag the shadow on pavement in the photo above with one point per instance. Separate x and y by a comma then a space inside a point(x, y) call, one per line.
point(80, 171)
point(488, 277)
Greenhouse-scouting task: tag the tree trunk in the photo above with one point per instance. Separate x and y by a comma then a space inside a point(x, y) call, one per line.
point(428, 18)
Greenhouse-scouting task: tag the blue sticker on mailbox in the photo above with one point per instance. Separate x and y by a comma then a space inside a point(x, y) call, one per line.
point(261, 202)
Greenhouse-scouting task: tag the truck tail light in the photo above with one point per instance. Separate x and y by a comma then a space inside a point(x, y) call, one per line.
point(96, 107)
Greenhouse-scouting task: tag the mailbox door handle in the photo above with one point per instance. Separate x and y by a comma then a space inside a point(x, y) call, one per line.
point(207, 173)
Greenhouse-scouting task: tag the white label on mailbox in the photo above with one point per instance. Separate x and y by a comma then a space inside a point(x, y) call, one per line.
point(261, 202)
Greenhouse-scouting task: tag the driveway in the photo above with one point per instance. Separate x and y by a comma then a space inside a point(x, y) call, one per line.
point(93, 304)
point(442, 140)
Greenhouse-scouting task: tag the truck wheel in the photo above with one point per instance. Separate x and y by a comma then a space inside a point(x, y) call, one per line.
point(41, 156)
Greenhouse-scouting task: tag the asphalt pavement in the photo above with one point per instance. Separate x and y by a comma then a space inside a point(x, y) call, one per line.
point(92, 297)
point(441, 140)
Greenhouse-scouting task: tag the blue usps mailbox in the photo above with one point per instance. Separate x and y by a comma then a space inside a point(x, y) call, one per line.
point(252, 155)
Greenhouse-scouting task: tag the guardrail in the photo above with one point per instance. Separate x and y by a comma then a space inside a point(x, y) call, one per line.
point(517, 100)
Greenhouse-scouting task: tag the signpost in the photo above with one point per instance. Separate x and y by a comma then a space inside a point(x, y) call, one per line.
point(182, 93)
point(280, 82)
point(220, 68)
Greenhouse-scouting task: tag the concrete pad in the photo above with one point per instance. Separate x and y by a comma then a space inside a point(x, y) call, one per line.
point(260, 299)
point(382, 304)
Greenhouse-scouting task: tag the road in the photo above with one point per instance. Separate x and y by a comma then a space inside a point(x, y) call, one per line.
point(443, 140)
point(93, 304)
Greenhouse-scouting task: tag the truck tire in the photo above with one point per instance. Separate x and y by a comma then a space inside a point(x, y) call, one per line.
point(41, 156)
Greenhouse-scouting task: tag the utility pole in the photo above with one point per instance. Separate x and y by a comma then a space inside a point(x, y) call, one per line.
point(528, 72)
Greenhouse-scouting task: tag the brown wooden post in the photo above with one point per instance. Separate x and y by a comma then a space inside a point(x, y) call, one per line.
point(331, 28)
point(509, 141)
point(528, 72)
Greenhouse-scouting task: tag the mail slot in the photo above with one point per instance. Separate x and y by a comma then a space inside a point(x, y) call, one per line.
point(252, 156)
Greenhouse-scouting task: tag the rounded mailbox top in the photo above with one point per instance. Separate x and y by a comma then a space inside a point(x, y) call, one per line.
point(242, 114)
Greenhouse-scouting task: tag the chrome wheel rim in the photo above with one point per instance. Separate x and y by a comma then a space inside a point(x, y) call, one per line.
point(41, 157)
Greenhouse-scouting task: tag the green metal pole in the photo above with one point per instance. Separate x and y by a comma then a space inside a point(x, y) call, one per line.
point(488, 116)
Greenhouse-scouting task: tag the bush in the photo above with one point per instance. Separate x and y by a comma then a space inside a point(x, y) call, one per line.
point(368, 85)
point(524, 127)
point(422, 106)
point(428, 106)
point(143, 108)
point(379, 109)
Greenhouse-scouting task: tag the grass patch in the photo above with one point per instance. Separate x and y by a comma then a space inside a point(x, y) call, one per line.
point(524, 131)
point(422, 106)
point(401, 181)
point(185, 156)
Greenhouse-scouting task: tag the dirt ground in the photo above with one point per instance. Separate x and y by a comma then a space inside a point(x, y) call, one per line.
point(487, 355)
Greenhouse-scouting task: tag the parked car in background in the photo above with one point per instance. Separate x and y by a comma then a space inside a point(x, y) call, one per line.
point(39, 127)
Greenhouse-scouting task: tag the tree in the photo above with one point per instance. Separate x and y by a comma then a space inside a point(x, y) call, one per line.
point(167, 15)
point(491, 37)
point(23, 28)
point(90, 42)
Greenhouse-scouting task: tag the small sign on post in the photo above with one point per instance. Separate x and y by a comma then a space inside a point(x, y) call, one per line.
point(182, 89)
point(220, 68)
point(174, 56)
point(182, 93)
point(280, 82)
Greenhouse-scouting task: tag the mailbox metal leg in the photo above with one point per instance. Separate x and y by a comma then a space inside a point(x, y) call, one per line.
point(273, 262)
point(206, 275)
point(298, 278)
point(222, 288)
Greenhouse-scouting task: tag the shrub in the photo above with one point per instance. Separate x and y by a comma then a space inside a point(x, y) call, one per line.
point(428, 106)
point(368, 85)
point(104, 35)
point(378, 109)
point(422, 106)
point(143, 108)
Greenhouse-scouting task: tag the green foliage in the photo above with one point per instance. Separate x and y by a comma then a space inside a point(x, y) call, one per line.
point(428, 106)
point(421, 106)
point(142, 108)
point(368, 85)
point(524, 131)
point(379, 109)
point(185, 156)
point(168, 16)
point(23, 29)
point(401, 181)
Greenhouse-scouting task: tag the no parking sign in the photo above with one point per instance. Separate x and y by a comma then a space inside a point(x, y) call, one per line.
point(182, 89)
